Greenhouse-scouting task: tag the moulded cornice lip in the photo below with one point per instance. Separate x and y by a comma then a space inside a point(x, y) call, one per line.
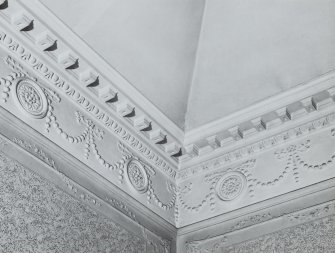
point(194, 143)
point(63, 31)
point(258, 109)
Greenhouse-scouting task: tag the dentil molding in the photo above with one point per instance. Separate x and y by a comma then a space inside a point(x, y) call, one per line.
point(39, 102)
point(292, 166)
point(113, 93)
point(208, 177)
point(105, 118)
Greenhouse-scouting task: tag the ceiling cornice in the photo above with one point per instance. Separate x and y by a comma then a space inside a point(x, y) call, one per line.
point(55, 41)
point(257, 122)
point(104, 83)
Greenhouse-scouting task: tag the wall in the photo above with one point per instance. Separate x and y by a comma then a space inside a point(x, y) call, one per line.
point(36, 216)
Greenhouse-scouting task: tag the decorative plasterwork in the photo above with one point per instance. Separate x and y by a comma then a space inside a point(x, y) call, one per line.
point(31, 98)
point(137, 176)
point(119, 105)
point(89, 198)
point(300, 108)
point(141, 161)
point(57, 50)
point(213, 244)
point(273, 173)
point(260, 146)
point(230, 185)
point(37, 102)
point(104, 117)
point(224, 185)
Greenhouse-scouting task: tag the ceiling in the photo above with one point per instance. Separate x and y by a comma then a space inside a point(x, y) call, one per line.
point(199, 61)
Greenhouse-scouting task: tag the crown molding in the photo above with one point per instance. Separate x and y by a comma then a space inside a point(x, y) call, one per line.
point(41, 107)
point(104, 84)
point(103, 114)
point(306, 158)
point(258, 120)
point(272, 104)
point(313, 122)
point(52, 40)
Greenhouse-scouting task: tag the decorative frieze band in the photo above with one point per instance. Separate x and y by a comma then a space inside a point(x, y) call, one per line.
point(38, 102)
point(46, 42)
point(126, 163)
point(253, 149)
point(87, 76)
point(104, 117)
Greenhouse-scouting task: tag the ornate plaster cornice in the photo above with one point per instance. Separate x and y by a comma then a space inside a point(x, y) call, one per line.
point(112, 100)
point(105, 117)
point(258, 146)
point(20, 141)
point(106, 95)
point(298, 104)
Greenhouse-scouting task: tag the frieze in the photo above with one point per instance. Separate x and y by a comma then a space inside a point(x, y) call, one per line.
point(105, 118)
point(223, 185)
point(89, 136)
point(312, 106)
point(119, 166)
point(257, 147)
point(133, 115)
point(229, 183)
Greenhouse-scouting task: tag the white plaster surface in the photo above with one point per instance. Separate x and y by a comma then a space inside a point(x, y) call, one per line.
point(247, 51)
point(153, 45)
point(250, 50)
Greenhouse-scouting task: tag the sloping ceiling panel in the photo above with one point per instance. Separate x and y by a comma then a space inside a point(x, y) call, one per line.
point(153, 45)
point(250, 50)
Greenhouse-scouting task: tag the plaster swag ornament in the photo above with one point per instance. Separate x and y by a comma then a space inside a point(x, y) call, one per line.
point(50, 76)
point(252, 149)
